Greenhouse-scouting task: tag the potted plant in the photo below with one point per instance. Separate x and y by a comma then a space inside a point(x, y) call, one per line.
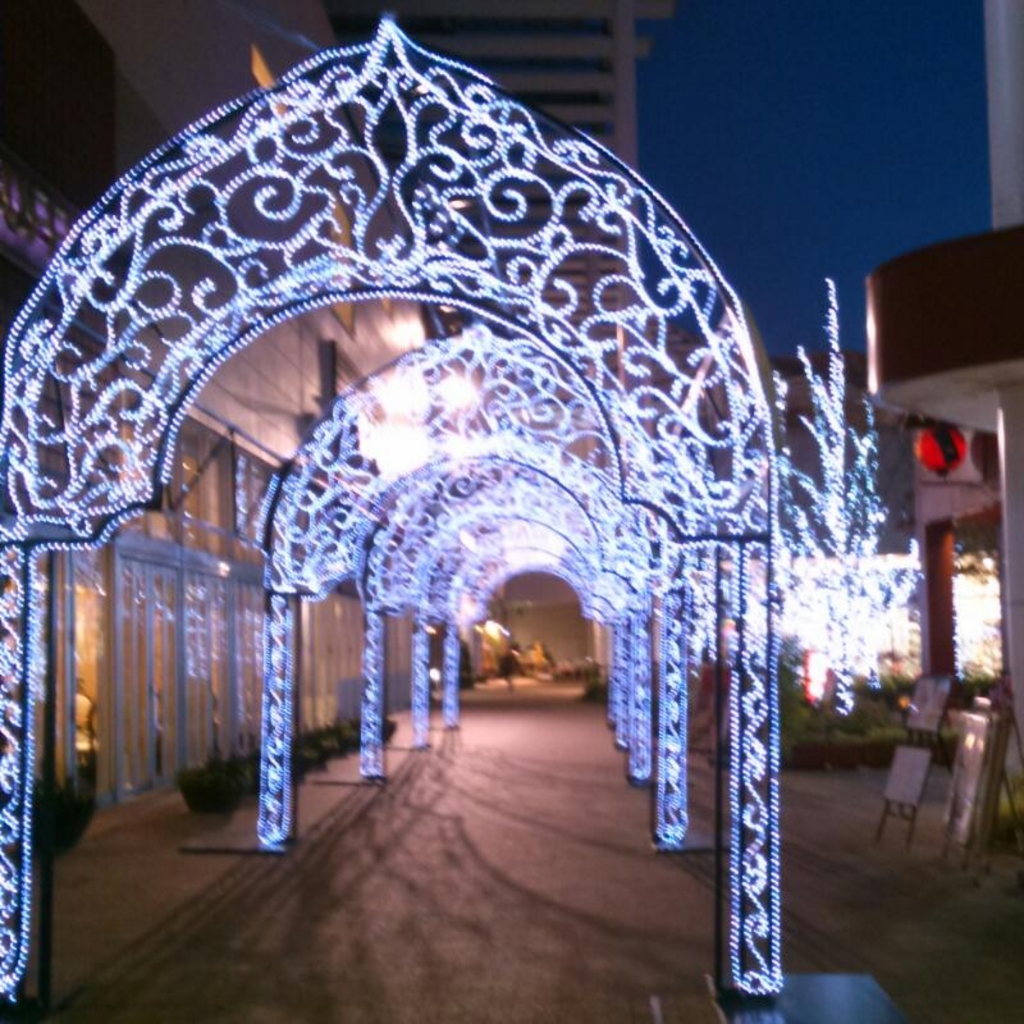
point(73, 809)
point(216, 787)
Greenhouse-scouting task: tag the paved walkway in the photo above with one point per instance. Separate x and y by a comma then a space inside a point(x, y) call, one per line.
point(506, 876)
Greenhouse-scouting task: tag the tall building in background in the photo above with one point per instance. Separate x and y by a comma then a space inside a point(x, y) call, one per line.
point(575, 60)
point(160, 632)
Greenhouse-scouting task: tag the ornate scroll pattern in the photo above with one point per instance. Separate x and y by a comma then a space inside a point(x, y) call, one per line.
point(420, 687)
point(274, 825)
point(462, 400)
point(473, 561)
point(623, 668)
point(671, 814)
point(640, 695)
point(378, 169)
point(493, 575)
point(450, 677)
point(371, 751)
point(19, 662)
point(383, 170)
point(611, 712)
point(439, 535)
point(753, 780)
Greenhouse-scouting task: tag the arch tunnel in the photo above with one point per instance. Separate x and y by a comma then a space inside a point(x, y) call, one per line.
point(589, 402)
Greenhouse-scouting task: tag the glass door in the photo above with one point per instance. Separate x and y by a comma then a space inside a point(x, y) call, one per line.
point(164, 672)
point(93, 697)
point(248, 629)
point(146, 673)
point(207, 668)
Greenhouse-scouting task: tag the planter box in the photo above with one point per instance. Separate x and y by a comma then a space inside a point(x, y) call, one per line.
point(818, 756)
point(877, 753)
point(212, 799)
point(71, 818)
point(868, 754)
point(217, 788)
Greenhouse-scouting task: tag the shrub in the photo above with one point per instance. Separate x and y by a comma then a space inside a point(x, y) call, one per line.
point(311, 749)
point(73, 809)
point(216, 787)
point(966, 688)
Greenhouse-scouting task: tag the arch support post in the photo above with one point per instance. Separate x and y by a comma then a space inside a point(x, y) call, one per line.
point(671, 813)
point(623, 669)
point(613, 680)
point(371, 748)
point(450, 677)
point(420, 687)
point(755, 887)
point(21, 662)
point(275, 823)
point(640, 698)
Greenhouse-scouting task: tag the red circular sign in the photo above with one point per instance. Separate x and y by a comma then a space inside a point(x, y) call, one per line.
point(940, 449)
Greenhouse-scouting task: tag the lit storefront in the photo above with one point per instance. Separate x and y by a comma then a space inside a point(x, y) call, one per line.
point(161, 635)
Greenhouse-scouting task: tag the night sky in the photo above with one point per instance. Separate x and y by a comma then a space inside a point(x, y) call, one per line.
point(801, 139)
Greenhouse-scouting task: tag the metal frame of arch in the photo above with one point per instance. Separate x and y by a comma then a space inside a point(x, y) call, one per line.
point(298, 197)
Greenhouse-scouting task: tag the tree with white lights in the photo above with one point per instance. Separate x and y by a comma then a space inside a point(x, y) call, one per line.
point(837, 590)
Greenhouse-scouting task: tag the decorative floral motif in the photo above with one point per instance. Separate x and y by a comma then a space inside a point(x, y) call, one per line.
point(276, 798)
point(383, 170)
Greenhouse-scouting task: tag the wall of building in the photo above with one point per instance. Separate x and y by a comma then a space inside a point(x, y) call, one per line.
point(559, 627)
point(182, 59)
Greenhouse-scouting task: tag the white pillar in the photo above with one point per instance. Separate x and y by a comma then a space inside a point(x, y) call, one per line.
point(371, 748)
point(1004, 60)
point(450, 680)
point(640, 694)
point(1011, 466)
point(420, 687)
point(277, 797)
point(623, 662)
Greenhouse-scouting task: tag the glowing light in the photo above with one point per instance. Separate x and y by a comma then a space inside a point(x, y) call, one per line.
point(640, 718)
point(670, 813)
point(397, 448)
point(456, 392)
point(622, 668)
point(669, 425)
point(815, 675)
point(977, 616)
point(837, 591)
point(371, 750)
point(420, 688)
point(450, 697)
point(274, 825)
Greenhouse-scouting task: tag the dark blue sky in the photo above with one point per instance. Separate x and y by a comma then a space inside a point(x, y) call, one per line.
point(801, 139)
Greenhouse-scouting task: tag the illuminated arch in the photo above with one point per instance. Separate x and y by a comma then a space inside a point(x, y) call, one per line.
point(297, 197)
point(514, 397)
point(448, 499)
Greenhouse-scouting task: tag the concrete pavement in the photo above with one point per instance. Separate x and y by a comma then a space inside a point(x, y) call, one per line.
point(507, 875)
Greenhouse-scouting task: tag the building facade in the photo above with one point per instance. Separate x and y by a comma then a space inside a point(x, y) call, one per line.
point(944, 330)
point(160, 632)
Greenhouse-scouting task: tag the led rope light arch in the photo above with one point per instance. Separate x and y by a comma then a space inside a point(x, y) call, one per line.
point(341, 467)
point(235, 225)
point(512, 397)
point(403, 589)
point(487, 504)
point(462, 575)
